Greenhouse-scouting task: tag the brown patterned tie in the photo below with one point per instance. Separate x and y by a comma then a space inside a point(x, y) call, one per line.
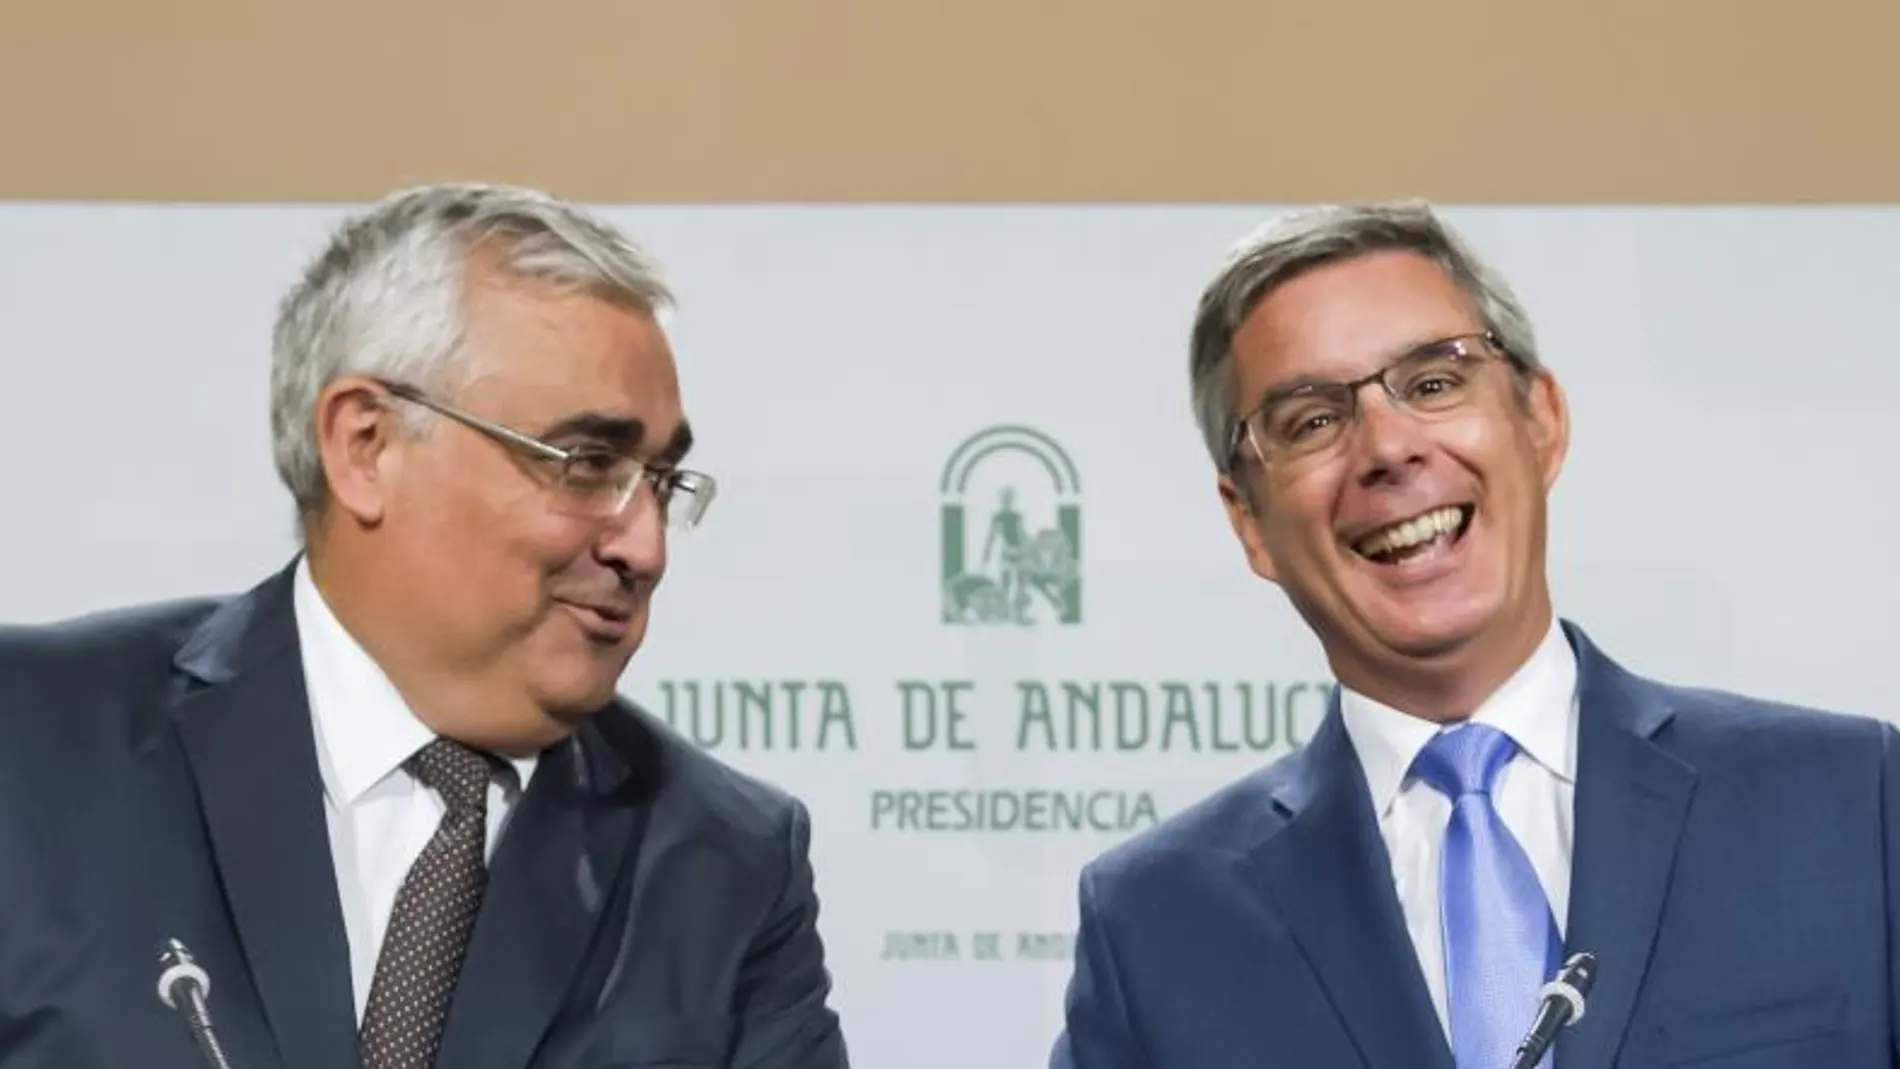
point(435, 910)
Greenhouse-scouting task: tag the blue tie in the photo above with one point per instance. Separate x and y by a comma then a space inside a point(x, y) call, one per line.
point(1501, 943)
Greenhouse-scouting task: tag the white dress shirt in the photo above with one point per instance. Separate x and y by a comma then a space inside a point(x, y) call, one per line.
point(1535, 792)
point(379, 816)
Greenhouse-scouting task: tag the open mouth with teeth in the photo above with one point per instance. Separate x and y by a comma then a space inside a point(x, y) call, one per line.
point(1436, 530)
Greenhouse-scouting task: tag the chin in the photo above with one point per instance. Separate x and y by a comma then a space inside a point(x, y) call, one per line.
point(1429, 631)
point(1422, 645)
point(580, 687)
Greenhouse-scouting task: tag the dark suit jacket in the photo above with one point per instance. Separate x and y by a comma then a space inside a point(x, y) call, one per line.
point(1736, 871)
point(158, 779)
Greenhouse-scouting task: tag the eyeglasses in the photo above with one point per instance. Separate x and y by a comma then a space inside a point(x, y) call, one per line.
point(589, 481)
point(1310, 419)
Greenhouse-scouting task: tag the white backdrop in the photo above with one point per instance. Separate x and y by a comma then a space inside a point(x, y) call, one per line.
point(1733, 377)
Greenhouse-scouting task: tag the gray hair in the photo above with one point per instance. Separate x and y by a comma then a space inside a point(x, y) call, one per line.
point(385, 298)
point(1297, 243)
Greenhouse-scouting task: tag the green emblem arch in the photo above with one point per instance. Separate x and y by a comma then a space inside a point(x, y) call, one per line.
point(1011, 556)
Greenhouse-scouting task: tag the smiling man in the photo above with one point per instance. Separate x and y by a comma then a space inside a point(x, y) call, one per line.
point(389, 799)
point(1489, 794)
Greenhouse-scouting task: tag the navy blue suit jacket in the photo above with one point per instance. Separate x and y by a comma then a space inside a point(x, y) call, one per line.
point(1735, 869)
point(158, 778)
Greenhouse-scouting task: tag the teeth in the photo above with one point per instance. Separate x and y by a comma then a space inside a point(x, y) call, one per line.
point(1412, 532)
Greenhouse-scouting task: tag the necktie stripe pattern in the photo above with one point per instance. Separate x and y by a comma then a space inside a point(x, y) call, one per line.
point(1501, 942)
point(435, 911)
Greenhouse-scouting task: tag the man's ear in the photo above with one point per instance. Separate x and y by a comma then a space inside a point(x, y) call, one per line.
point(1242, 503)
point(355, 435)
point(1550, 424)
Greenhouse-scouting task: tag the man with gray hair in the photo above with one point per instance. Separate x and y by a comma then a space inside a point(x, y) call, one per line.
point(1491, 804)
point(389, 801)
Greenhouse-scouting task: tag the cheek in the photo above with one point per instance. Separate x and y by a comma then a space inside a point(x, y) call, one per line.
point(494, 555)
point(1297, 519)
point(1497, 428)
point(1500, 455)
point(483, 498)
point(544, 547)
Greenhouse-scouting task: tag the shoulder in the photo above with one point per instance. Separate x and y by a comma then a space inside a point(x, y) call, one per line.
point(1709, 721)
point(713, 799)
point(108, 631)
point(1714, 727)
point(101, 649)
point(78, 689)
point(1213, 831)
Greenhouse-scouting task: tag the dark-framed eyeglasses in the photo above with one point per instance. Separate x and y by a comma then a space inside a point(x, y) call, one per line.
point(1313, 418)
point(588, 481)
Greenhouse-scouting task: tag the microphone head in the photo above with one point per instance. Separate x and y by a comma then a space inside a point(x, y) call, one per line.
point(173, 953)
point(176, 967)
point(1580, 971)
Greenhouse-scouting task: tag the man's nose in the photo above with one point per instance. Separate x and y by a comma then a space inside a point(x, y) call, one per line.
point(635, 540)
point(1387, 440)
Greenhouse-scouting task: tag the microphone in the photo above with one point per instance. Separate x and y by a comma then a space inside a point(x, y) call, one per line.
point(184, 986)
point(1560, 1006)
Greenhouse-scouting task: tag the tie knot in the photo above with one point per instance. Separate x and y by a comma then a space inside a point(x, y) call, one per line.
point(1464, 760)
point(460, 775)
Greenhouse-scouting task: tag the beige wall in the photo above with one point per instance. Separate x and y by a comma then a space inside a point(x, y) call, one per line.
point(977, 100)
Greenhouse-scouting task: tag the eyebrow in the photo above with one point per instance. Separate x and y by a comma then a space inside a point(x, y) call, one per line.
point(677, 446)
point(1288, 387)
point(620, 433)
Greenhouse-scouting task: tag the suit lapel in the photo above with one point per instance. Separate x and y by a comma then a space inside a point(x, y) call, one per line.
point(247, 736)
point(550, 881)
point(1632, 800)
point(1327, 873)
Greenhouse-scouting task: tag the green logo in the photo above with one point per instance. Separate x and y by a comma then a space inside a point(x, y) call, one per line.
point(1012, 531)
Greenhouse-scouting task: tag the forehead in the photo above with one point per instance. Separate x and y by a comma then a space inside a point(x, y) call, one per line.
point(546, 351)
point(1346, 318)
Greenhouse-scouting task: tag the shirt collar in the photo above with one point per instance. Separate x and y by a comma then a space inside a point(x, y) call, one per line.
point(364, 728)
point(1536, 707)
